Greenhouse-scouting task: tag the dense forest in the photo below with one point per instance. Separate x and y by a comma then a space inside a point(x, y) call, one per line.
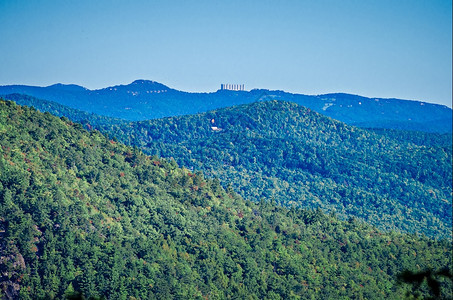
point(418, 138)
point(80, 212)
point(278, 150)
point(60, 110)
point(429, 137)
point(392, 179)
point(421, 138)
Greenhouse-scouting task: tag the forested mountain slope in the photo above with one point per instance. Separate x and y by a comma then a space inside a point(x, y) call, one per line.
point(61, 110)
point(416, 137)
point(286, 190)
point(144, 99)
point(91, 120)
point(298, 157)
point(80, 212)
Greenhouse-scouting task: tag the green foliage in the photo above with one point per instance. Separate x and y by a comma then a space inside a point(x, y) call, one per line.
point(392, 179)
point(81, 214)
point(56, 109)
point(416, 137)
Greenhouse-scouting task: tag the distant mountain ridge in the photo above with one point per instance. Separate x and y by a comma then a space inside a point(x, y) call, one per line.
point(145, 99)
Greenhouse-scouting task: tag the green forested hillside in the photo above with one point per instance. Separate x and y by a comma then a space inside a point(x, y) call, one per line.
point(60, 110)
point(81, 212)
point(280, 150)
point(416, 137)
point(252, 178)
point(428, 138)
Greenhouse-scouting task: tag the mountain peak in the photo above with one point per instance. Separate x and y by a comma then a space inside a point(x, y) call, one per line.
point(67, 87)
point(136, 88)
point(143, 81)
point(148, 84)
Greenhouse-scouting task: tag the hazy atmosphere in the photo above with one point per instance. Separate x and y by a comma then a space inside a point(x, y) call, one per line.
point(400, 49)
point(226, 149)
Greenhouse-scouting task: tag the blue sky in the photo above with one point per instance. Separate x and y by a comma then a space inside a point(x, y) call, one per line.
point(400, 49)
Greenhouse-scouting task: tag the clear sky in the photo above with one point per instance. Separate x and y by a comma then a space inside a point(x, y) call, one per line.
point(381, 48)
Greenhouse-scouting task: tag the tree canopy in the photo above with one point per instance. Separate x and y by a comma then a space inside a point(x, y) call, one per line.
point(80, 212)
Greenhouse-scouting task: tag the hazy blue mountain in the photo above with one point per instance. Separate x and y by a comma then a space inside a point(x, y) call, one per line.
point(144, 99)
point(376, 112)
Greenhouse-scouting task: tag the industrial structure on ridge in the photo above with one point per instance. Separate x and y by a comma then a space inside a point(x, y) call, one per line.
point(232, 87)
